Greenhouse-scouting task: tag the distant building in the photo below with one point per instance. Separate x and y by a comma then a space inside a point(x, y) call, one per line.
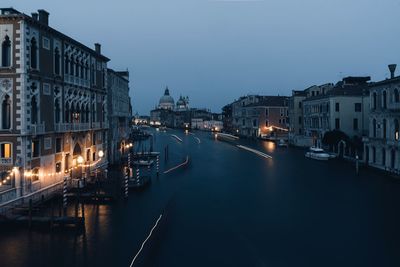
point(120, 112)
point(227, 118)
point(260, 116)
point(166, 101)
point(382, 146)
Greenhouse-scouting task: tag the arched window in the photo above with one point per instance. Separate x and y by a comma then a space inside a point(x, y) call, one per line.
point(374, 100)
point(66, 64)
point(34, 110)
point(93, 113)
point(71, 66)
point(86, 71)
point(67, 111)
point(57, 111)
point(33, 53)
point(6, 113)
point(384, 129)
point(384, 101)
point(396, 129)
point(77, 68)
point(374, 128)
point(6, 52)
point(57, 61)
point(396, 96)
point(87, 113)
point(82, 69)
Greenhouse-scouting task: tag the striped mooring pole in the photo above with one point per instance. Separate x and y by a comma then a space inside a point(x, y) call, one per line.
point(137, 174)
point(129, 164)
point(65, 200)
point(126, 181)
point(158, 164)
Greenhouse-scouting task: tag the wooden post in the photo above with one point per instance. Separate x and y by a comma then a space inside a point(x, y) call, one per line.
point(158, 165)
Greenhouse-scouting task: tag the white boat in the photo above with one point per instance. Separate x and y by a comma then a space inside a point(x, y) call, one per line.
point(317, 153)
point(282, 143)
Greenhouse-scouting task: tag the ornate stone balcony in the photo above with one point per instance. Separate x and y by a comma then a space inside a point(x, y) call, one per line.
point(38, 128)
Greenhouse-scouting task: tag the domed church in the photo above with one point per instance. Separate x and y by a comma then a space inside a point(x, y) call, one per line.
point(166, 101)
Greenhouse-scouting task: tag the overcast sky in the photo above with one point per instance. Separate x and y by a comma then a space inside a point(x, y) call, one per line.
point(215, 51)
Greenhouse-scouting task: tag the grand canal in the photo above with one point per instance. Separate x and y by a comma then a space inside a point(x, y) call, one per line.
point(231, 207)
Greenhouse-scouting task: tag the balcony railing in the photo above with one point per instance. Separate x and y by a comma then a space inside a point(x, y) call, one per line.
point(394, 106)
point(72, 127)
point(6, 161)
point(37, 129)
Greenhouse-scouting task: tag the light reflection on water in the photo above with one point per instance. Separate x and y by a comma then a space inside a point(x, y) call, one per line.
point(269, 146)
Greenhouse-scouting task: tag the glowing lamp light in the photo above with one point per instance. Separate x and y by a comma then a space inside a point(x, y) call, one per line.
point(270, 128)
point(101, 154)
point(80, 159)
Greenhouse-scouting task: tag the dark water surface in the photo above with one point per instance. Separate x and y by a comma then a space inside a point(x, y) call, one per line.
point(231, 207)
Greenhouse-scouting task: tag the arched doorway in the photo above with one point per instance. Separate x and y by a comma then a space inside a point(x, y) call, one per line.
point(341, 148)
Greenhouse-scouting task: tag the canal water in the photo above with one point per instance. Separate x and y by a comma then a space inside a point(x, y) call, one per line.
point(231, 207)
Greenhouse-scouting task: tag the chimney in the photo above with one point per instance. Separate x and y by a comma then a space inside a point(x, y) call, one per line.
point(35, 16)
point(97, 48)
point(392, 68)
point(43, 17)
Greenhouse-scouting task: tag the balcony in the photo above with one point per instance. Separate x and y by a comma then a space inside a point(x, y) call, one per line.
point(38, 129)
point(394, 106)
point(6, 161)
point(72, 127)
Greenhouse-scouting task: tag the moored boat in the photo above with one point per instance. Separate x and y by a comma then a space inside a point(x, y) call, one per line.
point(317, 154)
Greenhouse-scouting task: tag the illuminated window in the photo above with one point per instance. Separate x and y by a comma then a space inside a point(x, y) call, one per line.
point(5, 150)
point(396, 130)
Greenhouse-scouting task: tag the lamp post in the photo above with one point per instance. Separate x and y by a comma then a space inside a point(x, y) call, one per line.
point(101, 155)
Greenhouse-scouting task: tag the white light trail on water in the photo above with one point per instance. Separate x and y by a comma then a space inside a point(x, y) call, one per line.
point(178, 166)
point(195, 137)
point(255, 151)
point(177, 138)
point(144, 242)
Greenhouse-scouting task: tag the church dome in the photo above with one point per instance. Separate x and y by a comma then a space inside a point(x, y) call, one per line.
point(166, 101)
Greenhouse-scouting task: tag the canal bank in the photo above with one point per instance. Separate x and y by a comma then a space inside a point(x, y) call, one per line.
point(230, 207)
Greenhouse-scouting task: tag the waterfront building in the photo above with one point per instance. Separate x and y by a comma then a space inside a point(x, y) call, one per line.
point(344, 107)
point(382, 146)
point(166, 101)
point(260, 116)
point(227, 118)
point(119, 113)
point(54, 113)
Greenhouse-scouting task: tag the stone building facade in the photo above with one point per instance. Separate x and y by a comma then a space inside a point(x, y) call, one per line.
point(119, 113)
point(383, 143)
point(53, 97)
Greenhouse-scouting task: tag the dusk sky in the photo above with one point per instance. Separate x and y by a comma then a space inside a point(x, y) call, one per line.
point(215, 51)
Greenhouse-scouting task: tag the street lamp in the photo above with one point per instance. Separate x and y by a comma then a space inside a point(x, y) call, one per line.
point(101, 154)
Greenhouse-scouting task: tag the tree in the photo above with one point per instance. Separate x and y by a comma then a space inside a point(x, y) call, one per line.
point(332, 138)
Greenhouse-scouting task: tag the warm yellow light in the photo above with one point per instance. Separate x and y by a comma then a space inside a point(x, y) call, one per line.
point(7, 150)
point(80, 159)
point(270, 128)
point(101, 154)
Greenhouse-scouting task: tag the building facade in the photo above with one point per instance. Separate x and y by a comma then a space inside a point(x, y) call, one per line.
point(383, 143)
point(345, 108)
point(53, 96)
point(119, 113)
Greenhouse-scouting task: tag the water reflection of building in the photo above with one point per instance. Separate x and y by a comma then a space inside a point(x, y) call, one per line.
point(53, 96)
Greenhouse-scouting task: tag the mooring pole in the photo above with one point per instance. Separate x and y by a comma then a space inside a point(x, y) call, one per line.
point(158, 164)
point(137, 174)
point(126, 181)
point(65, 196)
point(357, 163)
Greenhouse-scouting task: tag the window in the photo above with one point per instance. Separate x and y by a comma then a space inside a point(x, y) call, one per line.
point(337, 107)
point(57, 61)
point(300, 120)
point(243, 122)
point(35, 148)
point(66, 62)
point(94, 156)
point(94, 139)
point(396, 130)
point(46, 89)
point(337, 124)
point(374, 128)
point(88, 155)
point(47, 143)
point(5, 150)
point(357, 107)
point(384, 101)
point(57, 111)
point(67, 113)
point(35, 175)
point(58, 167)
point(6, 52)
point(254, 123)
point(384, 129)
point(373, 154)
point(266, 123)
point(300, 104)
point(396, 96)
point(266, 112)
point(58, 145)
point(46, 43)
point(280, 121)
point(34, 111)
point(6, 113)
point(374, 100)
point(355, 124)
point(33, 54)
